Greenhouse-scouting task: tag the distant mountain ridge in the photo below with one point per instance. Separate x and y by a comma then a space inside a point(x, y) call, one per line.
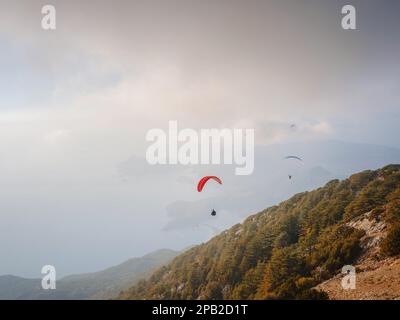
point(103, 284)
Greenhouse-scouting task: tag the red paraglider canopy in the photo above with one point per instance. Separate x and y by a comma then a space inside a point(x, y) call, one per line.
point(204, 180)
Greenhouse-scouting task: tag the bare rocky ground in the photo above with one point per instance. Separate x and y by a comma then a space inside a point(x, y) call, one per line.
point(376, 279)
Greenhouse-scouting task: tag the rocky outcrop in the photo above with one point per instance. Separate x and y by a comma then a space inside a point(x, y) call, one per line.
point(376, 278)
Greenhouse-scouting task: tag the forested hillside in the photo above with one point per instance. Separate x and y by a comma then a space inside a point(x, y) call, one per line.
point(284, 251)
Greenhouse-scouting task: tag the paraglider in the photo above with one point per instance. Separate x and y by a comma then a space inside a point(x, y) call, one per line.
point(297, 159)
point(203, 182)
point(294, 157)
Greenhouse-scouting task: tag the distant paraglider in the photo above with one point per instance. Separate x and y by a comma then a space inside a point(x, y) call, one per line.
point(203, 182)
point(292, 157)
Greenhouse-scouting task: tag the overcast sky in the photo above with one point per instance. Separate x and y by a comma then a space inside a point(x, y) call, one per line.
point(76, 103)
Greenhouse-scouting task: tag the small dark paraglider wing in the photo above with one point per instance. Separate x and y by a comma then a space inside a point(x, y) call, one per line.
point(294, 157)
point(204, 180)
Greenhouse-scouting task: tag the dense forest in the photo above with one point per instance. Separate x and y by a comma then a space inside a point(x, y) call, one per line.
point(285, 250)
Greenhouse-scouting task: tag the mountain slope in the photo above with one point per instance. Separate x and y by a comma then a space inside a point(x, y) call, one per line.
point(98, 285)
point(109, 282)
point(12, 287)
point(377, 276)
point(285, 251)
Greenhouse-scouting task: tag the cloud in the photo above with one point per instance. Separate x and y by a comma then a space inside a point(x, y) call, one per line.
point(280, 131)
point(322, 127)
point(56, 136)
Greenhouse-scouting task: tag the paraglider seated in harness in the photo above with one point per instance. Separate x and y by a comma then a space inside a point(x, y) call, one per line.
point(202, 183)
point(293, 158)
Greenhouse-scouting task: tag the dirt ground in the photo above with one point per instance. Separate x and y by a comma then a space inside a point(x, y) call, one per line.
point(374, 281)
